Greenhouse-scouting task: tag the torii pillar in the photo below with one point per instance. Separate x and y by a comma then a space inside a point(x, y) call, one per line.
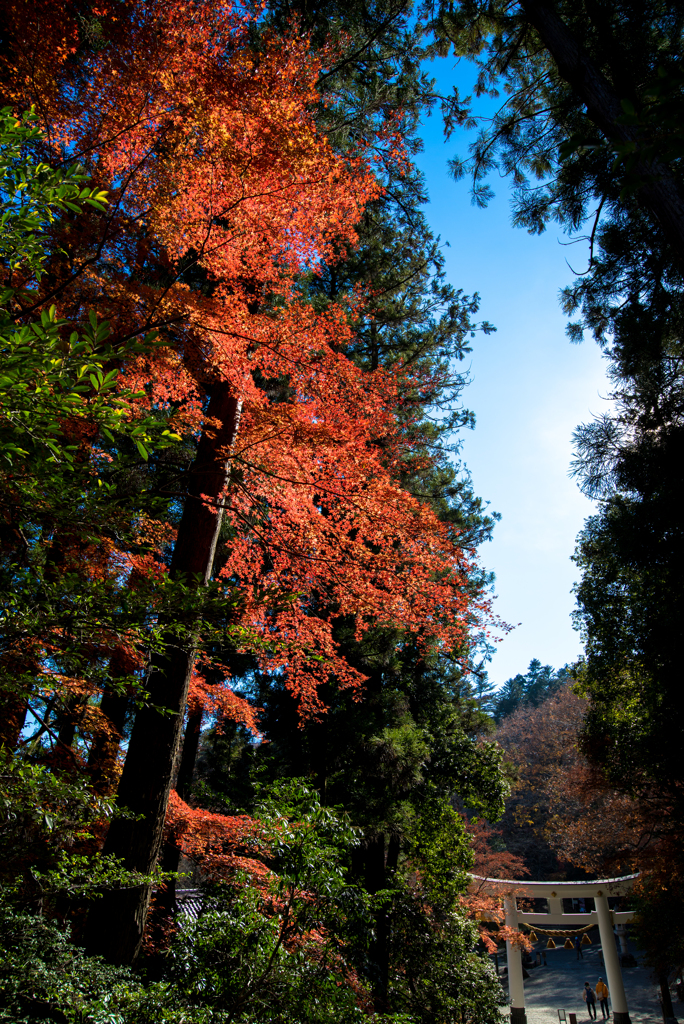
point(516, 987)
point(610, 958)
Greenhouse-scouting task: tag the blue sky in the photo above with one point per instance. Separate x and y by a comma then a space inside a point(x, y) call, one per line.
point(530, 388)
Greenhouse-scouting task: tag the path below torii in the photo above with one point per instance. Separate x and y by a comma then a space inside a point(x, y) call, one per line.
point(555, 893)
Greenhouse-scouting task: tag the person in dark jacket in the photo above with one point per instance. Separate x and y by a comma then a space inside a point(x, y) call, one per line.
point(590, 1000)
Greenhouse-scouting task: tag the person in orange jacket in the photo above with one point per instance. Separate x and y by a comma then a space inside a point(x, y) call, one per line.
point(602, 996)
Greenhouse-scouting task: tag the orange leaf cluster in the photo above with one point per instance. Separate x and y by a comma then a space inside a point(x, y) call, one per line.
point(219, 702)
point(221, 843)
point(222, 194)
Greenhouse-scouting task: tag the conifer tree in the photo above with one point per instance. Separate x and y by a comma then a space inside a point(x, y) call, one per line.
point(219, 207)
point(590, 133)
point(409, 743)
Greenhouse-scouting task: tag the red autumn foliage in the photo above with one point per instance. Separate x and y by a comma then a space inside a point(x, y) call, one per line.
point(484, 903)
point(223, 194)
point(222, 191)
point(220, 703)
point(220, 843)
point(489, 861)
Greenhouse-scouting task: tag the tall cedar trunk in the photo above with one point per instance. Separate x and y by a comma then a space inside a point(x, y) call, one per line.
point(67, 719)
point(12, 720)
point(390, 866)
point(171, 853)
point(189, 756)
point(116, 922)
point(104, 749)
point(114, 705)
point(666, 998)
point(375, 880)
point(660, 192)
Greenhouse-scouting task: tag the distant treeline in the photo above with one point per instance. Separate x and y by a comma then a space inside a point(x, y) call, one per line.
point(538, 683)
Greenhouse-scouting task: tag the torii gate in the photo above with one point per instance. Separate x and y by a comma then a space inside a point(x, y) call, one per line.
point(554, 892)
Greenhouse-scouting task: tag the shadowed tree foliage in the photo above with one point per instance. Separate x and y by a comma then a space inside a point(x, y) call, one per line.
point(532, 688)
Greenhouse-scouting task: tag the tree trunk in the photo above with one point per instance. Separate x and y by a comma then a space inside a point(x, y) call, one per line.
point(166, 903)
point(666, 998)
point(14, 701)
point(171, 851)
point(104, 749)
point(67, 719)
point(375, 880)
point(116, 922)
point(115, 706)
point(12, 720)
point(189, 755)
point(660, 192)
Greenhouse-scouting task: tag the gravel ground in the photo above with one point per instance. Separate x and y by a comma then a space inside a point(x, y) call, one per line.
point(559, 986)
